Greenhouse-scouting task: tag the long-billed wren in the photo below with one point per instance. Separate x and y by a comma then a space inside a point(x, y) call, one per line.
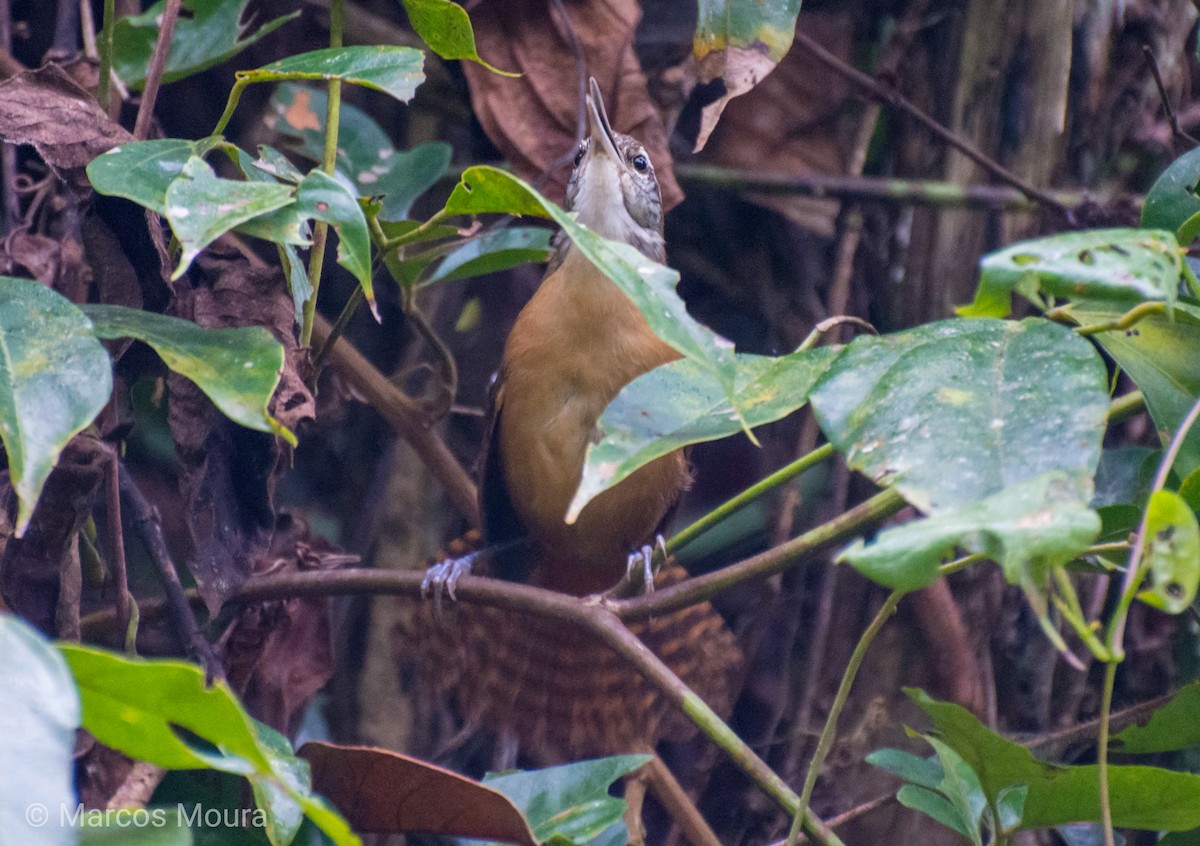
point(576, 343)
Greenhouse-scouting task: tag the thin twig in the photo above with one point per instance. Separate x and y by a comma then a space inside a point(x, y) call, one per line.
point(850, 815)
point(104, 87)
point(895, 99)
point(1172, 118)
point(116, 539)
point(145, 522)
point(8, 152)
point(829, 732)
point(158, 64)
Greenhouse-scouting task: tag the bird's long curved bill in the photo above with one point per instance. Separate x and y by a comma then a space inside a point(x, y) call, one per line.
point(600, 130)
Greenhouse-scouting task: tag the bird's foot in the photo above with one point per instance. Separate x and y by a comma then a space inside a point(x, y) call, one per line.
point(442, 578)
point(642, 564)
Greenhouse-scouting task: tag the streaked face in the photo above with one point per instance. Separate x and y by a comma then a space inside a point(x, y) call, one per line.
point(613, 188)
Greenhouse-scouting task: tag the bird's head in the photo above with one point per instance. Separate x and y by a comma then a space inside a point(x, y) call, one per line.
point(613, 189)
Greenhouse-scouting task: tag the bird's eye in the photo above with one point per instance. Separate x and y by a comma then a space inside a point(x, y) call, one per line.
point(579, 155)
point(640, 163)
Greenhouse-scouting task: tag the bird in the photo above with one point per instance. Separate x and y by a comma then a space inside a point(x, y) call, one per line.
point(544, 683)
point(574, 345)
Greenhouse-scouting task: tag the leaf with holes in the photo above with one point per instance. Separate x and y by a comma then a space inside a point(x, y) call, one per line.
point(55, 377)
point(1127, 265)
point(1171, 203)
point(1172, 553)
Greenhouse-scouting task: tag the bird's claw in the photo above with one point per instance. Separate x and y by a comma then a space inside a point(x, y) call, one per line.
point(643, 559)
point(442, 578)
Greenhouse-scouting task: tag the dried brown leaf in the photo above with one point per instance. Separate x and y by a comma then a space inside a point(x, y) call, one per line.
point(534, 118)
point(384, 792)
point(792, 123)
point(46, 108)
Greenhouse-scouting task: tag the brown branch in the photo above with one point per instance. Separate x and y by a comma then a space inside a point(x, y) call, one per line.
point(144, 519)
point(139, 785)
point(1172, 118)
point(403, 415)
point(851, 815)
point(895, 99)
point(678, 804)
point(158, 63)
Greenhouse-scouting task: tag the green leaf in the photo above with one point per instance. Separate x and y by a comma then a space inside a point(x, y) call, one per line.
point(937, 806)
point(446, 28)
point(142, 171)
point(287, 795)
point(137, 706)
point(237, 368)
point(1129, 265)
point(740, 42)
point(39, 712)
point(1161, 354)
point(1172, 553)
point(1026, 528)
point(569, 801)
point(201, 207)
point(207, 33)
point(325, 198)
point(1010, 806)
point(55, 377)
point(1090, 834)
point(392, 70)
point(1172, 203)
point(683, 403)
point(1173, 726)
point(961, 786)
point(1142, 797)
point(651, 286)
point(924, 772)
point(952, 412)
point(365, 154)
point(1124, 475)
point(494, 252)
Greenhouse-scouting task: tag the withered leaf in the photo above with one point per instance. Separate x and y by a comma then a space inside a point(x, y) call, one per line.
point(67, 127)
point(533, 119)
point(384, 792)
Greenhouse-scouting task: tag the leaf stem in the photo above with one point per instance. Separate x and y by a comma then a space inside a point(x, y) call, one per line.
point(1190, 277)
point(316, 261)
point(336, 331)
point(389, 244)
point(235, 95)
point(104, 88)
point(829, 732)
point(689, 533)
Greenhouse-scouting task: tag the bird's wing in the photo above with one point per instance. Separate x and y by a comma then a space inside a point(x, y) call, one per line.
point(502, 528)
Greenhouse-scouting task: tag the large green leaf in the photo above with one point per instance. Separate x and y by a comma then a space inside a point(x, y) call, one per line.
point(1161, 354)
point(237, 368)
point(1026, 528)
point(142, 171)
point(386, 68)
point(952, 412)
point(446, 28)
point(1128, 265)
point(570, 803)
point(39, 712)
point(683, 403)
point(365, 154)
point(207, 33)
point(740, 42)
point(1173, 726)
point(201, 207)
point(138, 706)
point(651, 286)
point(1172, 202)
point(54, 379)
point(1142, 797)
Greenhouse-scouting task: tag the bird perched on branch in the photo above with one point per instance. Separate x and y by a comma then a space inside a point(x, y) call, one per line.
point(578, 341)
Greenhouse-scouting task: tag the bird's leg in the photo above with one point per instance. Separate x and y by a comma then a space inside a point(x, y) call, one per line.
point(443, 578)
point(642, 565)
